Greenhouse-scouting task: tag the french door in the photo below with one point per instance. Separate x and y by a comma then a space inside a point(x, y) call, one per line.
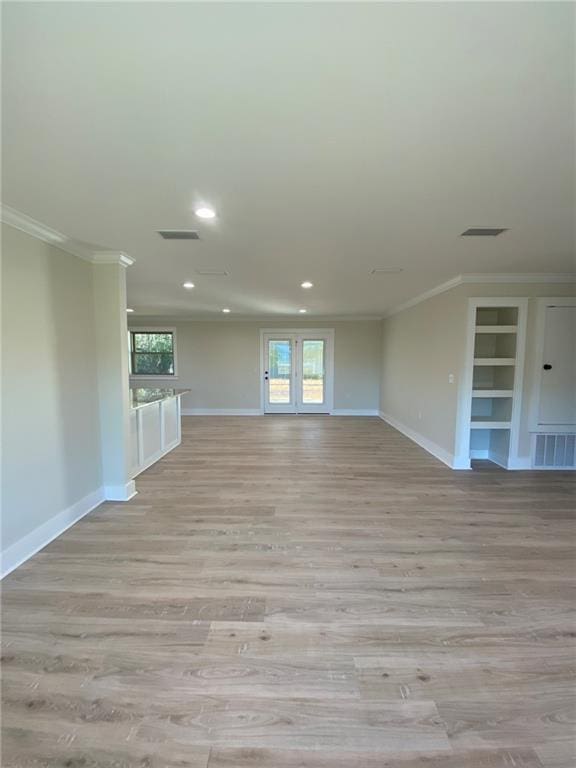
point(297, 372)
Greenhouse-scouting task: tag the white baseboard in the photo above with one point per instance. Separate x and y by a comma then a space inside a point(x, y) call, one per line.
point(222, 412)
point(354, 412)
point(520, 462)
point(259, 412)
point(152, 460)
point(423, 442)
point(502, 461)
point(120, 492)
point(33, 542)
point(496, 458)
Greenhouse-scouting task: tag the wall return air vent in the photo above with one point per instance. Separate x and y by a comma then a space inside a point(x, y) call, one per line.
point(179, 234)
point(483, 231)
point(554, 451)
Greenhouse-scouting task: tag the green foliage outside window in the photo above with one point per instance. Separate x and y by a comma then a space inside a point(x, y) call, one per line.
point(152, 353)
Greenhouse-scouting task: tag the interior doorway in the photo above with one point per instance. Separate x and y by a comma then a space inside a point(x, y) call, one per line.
point(297, 371)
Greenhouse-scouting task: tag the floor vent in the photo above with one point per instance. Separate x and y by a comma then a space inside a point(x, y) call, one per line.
point(554, 452)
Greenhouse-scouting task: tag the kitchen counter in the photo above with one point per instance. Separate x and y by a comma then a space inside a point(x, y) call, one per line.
point(155, 428)
point(140, 396)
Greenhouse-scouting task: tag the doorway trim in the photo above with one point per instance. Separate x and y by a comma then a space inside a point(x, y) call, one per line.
point(328, 334)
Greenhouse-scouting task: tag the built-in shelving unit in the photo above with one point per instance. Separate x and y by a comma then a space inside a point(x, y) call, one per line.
point(493, 388)
point(487, 392)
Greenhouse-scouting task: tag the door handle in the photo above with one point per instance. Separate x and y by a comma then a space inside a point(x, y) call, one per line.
point(547, 367)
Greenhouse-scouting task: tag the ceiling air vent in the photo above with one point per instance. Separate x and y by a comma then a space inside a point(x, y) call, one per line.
point(386, 270)
point(483, 231)
point(212, 272)
point(179, 234)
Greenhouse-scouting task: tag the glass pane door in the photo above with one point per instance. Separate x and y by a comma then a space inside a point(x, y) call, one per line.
point(313, 371)
point(297, 368)
point(279, 375)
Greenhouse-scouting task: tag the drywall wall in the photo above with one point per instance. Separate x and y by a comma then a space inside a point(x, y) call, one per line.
point(421, 346)
point(424, 344)
point(220, 362)
point(50, 426)
point(111, 351)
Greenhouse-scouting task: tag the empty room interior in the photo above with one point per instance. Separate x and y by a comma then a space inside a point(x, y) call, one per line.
point(288, 385)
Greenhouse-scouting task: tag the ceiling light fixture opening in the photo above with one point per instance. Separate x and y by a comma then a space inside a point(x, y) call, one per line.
point(302, 311)
point(307, 284)
point(188, 285)
point(226, 310)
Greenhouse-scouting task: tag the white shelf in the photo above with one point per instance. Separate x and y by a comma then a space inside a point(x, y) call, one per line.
point(496, 328)
point(493, 380)
point(494, 361)
point(492, 393)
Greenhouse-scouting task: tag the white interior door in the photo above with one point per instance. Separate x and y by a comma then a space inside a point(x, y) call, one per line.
point(558, 384)
point(298, 372)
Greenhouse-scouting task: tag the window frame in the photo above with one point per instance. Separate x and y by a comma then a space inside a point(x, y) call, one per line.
point(153, 376)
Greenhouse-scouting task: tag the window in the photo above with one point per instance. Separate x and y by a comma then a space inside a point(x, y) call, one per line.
point(152, 353)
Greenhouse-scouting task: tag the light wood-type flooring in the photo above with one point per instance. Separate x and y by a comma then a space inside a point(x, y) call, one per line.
point(300, 592)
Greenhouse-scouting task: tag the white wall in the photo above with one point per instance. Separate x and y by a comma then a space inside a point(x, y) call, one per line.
point(423, 344)
point(50, 427)
point(111, 351)
point(220, 362)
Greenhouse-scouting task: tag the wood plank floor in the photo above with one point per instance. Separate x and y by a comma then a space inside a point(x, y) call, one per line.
point(300, 592)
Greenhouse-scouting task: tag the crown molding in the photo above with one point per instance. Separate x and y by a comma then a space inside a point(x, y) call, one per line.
point(527, 277)
point(30, 226)
point(442, 288)
point(40, 231)
point(312, 320)
point(112, 257)
point(494, 278)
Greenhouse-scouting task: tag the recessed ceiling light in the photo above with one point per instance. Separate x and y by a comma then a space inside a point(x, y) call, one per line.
point(129, 310)
point(204, 212)
point(226, 310)
point(302, 311)
point(188, 285)
point(307, 284)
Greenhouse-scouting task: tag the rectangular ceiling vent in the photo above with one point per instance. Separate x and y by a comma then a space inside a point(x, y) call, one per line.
point(483, 231)
point(179, 234)
point(386, 270)
point(212, 272)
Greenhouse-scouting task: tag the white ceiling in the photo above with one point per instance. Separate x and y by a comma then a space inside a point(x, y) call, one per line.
point(331, 138)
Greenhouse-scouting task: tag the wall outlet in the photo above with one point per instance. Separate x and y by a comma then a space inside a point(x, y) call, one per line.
point(450, 378)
